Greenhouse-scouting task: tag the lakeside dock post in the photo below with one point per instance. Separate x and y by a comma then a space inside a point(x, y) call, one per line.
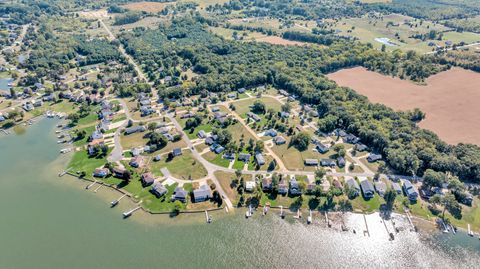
point(366, 225)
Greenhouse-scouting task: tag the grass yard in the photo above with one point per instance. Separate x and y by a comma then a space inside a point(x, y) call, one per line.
point(225, 179)
point(82, 162)
point(367, 206)
point(294, 159)
point(243, 106)
point(133, 140)
point(216, 159)
point(82, 142)
point(182, 167)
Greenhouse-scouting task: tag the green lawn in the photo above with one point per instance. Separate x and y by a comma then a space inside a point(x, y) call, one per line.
point(83, 142)
point(367, 206)
point(216, 159)
point(182, 167)
point(82, 162)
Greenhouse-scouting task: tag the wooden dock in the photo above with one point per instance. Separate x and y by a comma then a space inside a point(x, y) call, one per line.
point(115, 202)
point(366, 226)
point(91, 185)
point(127, 214)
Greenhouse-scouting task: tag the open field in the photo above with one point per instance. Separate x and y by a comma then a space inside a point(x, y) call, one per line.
point(399, 29)
point(182, 167)
point(450, 99)
point(153, 7)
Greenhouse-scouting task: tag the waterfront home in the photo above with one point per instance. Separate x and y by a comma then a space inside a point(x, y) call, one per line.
point(279, 140)
point(374, 157)
point(158, 190)
point(396, 187)
point(137, 162)
point(210, 140)
point(283, 186)
point(367, 189)
point(201, 194)
point(250, 185)
point(201, 134)
point(180, 195)
point(27, 106)
point(101, 172)
point(311, 162)
point(380, 187)
point(321, 148)
point(244, 157)
point(267, 184)
point(260, 159)
point(147, 179)
point(37, 102)
point(253, 116)
point(134, 129)
point(341, 161)
point(136, 151)
point(410, 191)
point(119, 172)
point(328, 162)
point(310, 181)
point(94, 146)
point(294, 187)
point(353, 185)
point(176, 152)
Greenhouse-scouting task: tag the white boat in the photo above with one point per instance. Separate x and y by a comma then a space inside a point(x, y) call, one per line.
point(66, 150)
point(309, 218)
point(282, 215)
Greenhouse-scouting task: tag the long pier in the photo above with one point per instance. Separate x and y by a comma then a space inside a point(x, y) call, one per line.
point(91, 185)
point(366, 225)
point(127, 214)
point(115, 202)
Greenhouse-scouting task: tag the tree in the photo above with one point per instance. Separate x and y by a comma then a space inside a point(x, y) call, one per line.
point(258, 107)
point(319, 174)
point(433, 179)
point(152, 126)
point(389, 197)
point(301, 141)
point(449, 203)
point(259, 146)
point(177, 206)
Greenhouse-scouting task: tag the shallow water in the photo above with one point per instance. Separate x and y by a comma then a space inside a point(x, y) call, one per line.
point(52, 222)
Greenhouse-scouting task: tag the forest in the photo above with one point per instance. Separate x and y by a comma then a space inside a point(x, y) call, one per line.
point(227, 65)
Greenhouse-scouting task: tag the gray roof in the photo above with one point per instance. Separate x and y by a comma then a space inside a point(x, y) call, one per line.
point(367, 186)
point(158, 189)
point(244, 157)
point(202, 193)
point(352, 183)
point(260, 159)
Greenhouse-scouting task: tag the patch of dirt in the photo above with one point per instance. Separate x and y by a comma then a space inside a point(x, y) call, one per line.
point(280, 41)
point(451, 99)
point(153, 7)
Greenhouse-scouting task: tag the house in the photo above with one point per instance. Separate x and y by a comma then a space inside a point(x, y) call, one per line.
point(229, 156)
point(253, 116)
point(96, 135)
point(260, 159)
point(37, 103)
point(245, 157)
point(201, 194)
point(353, 185)
point(283, 92)
point(176, 152)
point(158, 190)
point(321, 148)
point(201, 134)
point(169, 137)
point(271, 132)
point(250, 185)
point(219, 149)
point(134, 129)
point(48, 97)
point(241, 90)
point(215, 109)
point(311, 162)
point(93, 146)
point(146, 111)
point(336, 183)
point(210, 140)
point(396, 187)
point(162, 130)
point(283, 186)
point(232, 95)
point(267, 184)
point(188, 115)
point(136, 162)
point(279, 140)
point(313, 114)
point(410, 191)
point(101, 172)
point(147, 179)
point(380, 187)
point(351, 139)
point(136, 151)
point(310, 184)
point(157, 158)
point(328, 162)
point(360, 147)
point(284, 114)
point(180, 195)
point(341, 161)
point(294, 187)
point(367, 189)
point(372, 157)
point(119, 172)
point(27, 106)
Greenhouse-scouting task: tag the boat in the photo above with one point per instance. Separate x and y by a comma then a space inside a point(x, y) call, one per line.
point(282, 214)
point(470, 233)
point(249, 212)
point(114, 203)
point(309, 218)
point(209, 219)
point(453, 229)
point(66, 150)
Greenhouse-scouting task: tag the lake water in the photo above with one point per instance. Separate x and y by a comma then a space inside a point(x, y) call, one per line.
point(51, 222)
point(4, 84)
